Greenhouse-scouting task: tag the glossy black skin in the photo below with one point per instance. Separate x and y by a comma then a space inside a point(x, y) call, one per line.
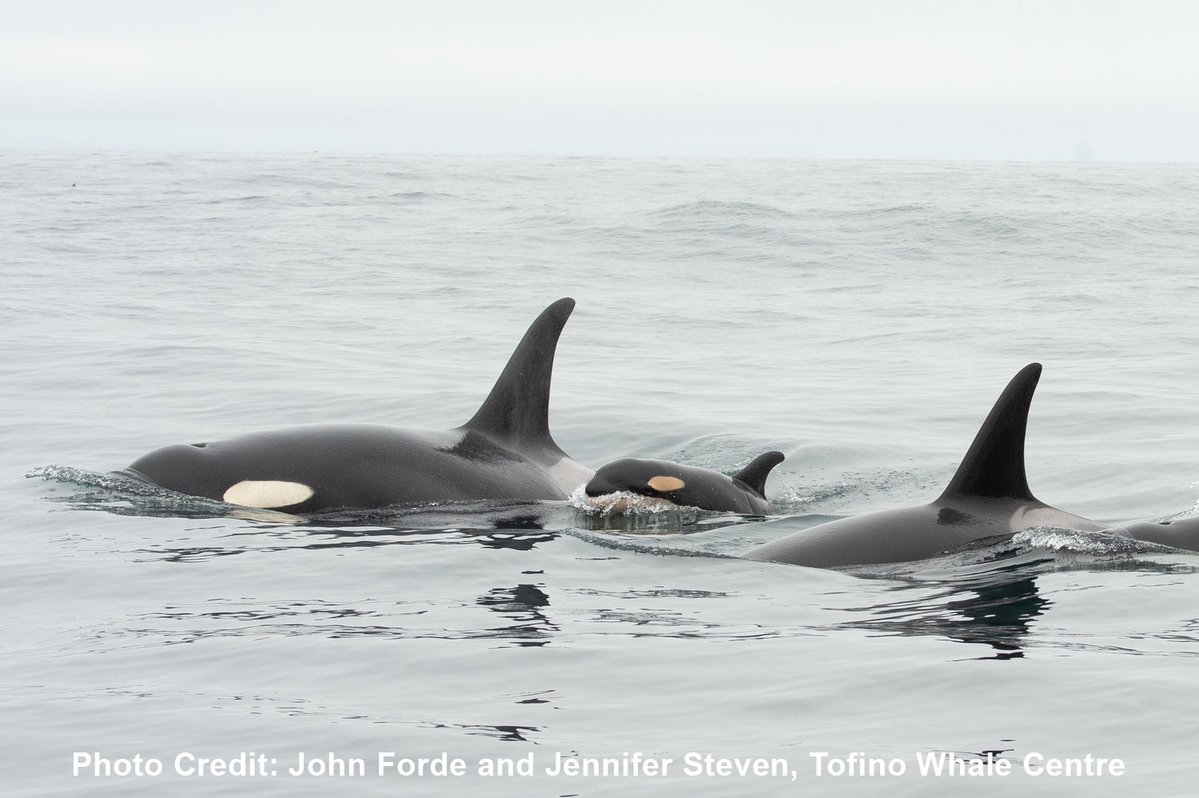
point(359, 466)
point(504, 452)
point(987, 500)
point(1181, 533)
point(703, 487)
point(915, 533)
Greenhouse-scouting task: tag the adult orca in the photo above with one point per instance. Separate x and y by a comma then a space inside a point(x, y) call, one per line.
point(987, 500)
point(744, 492)
point(504, 452)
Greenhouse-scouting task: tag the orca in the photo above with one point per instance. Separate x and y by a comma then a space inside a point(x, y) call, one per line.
point(987, 501)
point(505, 451)
point(691, 486)
point(1180, 533)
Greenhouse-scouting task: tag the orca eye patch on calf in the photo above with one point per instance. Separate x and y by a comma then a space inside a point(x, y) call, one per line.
point(665, 484)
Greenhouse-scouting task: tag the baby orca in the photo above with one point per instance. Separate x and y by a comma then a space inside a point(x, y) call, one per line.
point(691, 486)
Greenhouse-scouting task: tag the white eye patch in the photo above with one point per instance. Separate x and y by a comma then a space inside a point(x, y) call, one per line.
point(665, 484)
point(267, 494)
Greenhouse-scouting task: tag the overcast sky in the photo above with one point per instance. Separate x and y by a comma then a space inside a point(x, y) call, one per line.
point(945, 79)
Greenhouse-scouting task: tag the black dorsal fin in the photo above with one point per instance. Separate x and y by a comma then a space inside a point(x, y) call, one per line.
point(517, 409)
point(754, 475)
point(994, 466)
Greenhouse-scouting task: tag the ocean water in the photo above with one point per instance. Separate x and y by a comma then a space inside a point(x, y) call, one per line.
point(859, 316)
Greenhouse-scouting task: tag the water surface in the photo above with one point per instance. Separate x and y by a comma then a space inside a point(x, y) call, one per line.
point(859, 316)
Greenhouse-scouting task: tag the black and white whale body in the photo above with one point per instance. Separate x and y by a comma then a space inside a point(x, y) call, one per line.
point(691, 486)
point(987, 500)
point(504, 452)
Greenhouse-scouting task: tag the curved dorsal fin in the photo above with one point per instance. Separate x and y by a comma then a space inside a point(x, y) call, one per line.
point(517, 409)
point(994, 466)
point(754, 475)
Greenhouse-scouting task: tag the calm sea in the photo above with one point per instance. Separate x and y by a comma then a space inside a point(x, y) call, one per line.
point(859, 316)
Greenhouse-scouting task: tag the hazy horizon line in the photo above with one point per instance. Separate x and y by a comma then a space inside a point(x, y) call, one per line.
point(356, 152)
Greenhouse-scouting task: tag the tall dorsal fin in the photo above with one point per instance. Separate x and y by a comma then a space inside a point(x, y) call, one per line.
point(517, 409)
point(754, 475)
point(994, 466)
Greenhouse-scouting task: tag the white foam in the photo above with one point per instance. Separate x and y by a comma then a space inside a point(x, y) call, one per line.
point(1076, 541)
point(620, 503)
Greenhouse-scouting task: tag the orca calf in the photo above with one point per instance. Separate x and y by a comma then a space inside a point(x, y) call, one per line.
point(504, 452)
point(1181, 533)
point(744, 492)
point(987, 500)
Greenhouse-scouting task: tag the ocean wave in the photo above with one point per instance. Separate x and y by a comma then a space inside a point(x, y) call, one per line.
point(721, 209)
point(1073, 541)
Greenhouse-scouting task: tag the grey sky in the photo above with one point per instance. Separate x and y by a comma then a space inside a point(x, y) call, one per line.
point(1051, 79)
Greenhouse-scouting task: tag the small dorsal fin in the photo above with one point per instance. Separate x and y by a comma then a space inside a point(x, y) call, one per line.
point(994, 466)
point(517, 409)
point(754, 475)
